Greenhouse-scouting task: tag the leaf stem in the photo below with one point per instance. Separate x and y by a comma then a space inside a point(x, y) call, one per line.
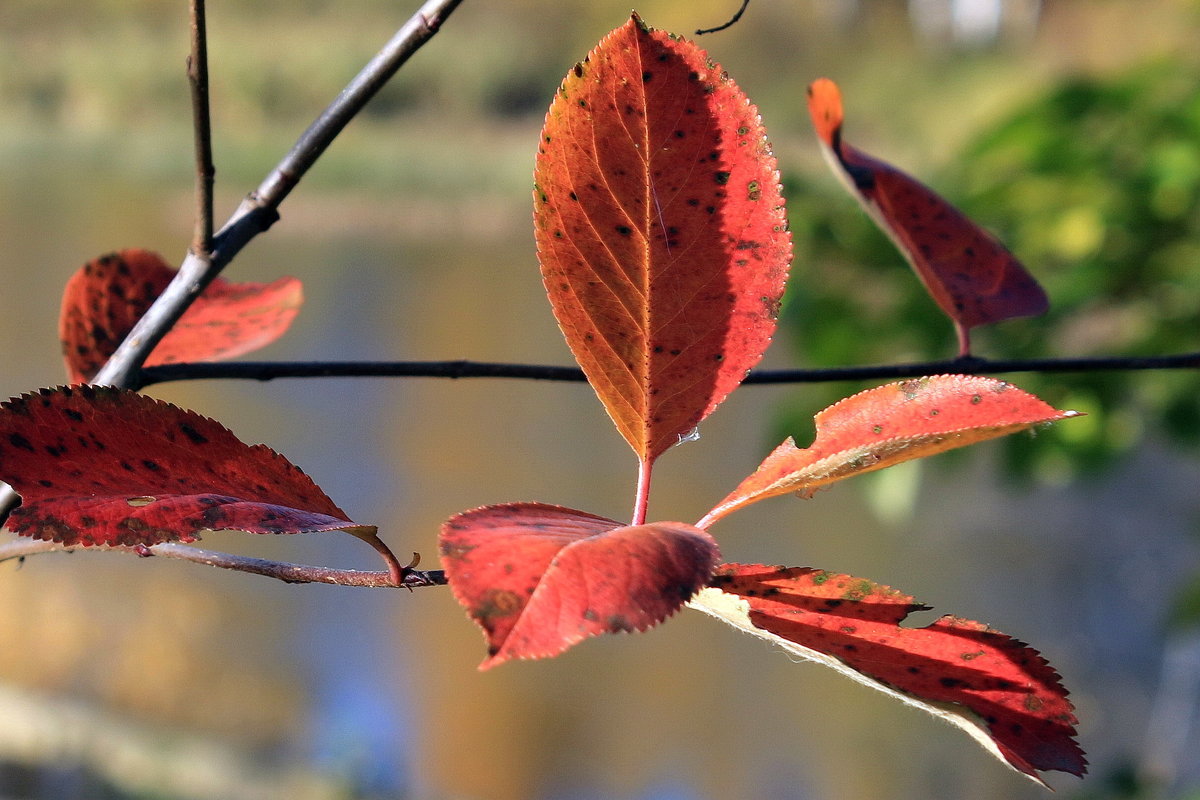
point(395, 568)
point(641, 501)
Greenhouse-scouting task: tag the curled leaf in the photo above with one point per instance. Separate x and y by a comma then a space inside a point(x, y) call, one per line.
point(105, 298)
point(104, 466)
point(971, 276)
point(661, 231)
point(538, 579)
point(997, 689)
point(887, 425)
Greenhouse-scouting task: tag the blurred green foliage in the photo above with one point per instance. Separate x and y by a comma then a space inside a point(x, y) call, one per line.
point(1095, 185)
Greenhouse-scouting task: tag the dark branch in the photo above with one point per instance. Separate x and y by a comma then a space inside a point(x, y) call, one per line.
point(268, 370)
point(732, 21)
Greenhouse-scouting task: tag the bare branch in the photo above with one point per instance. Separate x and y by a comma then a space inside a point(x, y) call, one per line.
point(197, 71)
point(269, 370)
point(19, 548)
point(416, 32)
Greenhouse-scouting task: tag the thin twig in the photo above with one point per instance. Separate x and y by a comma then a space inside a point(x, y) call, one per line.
point(733, 20)
point(260, 210)
point(19, 548)
point(197, 72)
point(270, 370)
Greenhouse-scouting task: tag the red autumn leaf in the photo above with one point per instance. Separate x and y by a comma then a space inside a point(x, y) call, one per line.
point(997, 689)
point(661, 231)
point(104, 299)
point(971, 275)
point(104, 466)
point(538, 578)
point(887, 425)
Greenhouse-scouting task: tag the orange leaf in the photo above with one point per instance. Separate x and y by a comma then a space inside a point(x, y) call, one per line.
point(997, 689)
point(971, 276)
point(660, 230)
point(541, 578)
point(107, 296)
point(887, 425)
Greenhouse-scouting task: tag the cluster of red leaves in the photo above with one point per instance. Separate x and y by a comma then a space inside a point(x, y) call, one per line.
point(100, 466)
point(664, 249)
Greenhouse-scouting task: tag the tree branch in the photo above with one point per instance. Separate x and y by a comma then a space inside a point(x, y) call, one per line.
point(972, 365)
point(21, 547)
point(260, 210)
point(197, 71)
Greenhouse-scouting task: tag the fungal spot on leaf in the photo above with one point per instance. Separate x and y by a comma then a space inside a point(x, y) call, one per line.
point(858, 591)
point(721, 177)
point(151, 465)
point(191, 433)
point(498, 603)
point(647, 76)
point(624, 230)
point(17, 440)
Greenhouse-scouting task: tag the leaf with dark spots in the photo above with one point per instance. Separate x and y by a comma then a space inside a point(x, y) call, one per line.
point(997, 689)
point(107, 296)
point(972, 277)
point(887, 425)
point(538, 579)
point(125, 478)
point(653, 167)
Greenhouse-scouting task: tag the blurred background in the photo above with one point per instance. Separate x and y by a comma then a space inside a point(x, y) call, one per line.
point(1070, 127)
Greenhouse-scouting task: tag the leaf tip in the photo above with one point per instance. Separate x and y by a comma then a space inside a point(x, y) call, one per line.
point(825, 108)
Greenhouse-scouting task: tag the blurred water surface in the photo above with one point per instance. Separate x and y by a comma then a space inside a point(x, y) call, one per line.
point(413, 242)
